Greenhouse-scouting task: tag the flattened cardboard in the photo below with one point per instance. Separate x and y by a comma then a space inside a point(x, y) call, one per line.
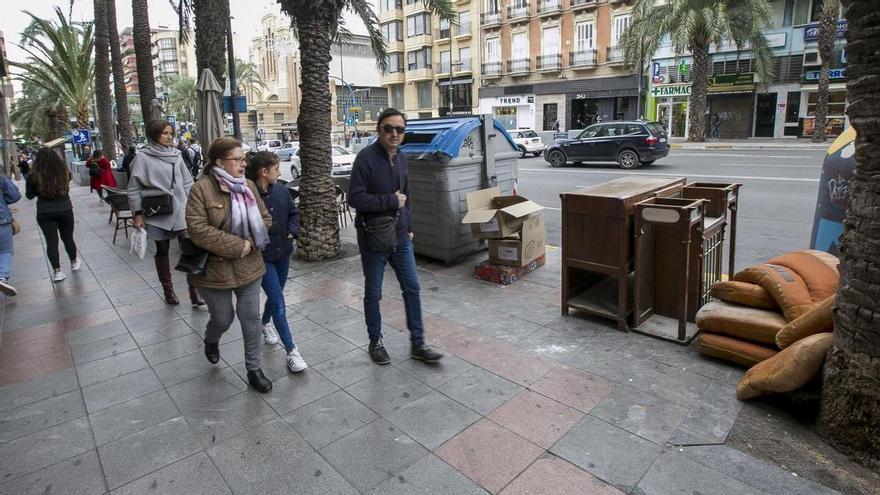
point(493, 216)
point(503, 274)
point(523, 250)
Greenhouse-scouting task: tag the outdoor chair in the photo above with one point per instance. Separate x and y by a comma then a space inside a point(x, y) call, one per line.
point(343, 209)
point(118, 201)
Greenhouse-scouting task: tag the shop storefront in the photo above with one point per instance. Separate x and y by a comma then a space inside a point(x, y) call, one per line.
point(836, 102)
point(512, 111)
point(732, 98)
point(669, 103)
point(588, 107)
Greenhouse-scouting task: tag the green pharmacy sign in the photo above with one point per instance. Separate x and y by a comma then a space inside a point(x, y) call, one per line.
point(663, 90)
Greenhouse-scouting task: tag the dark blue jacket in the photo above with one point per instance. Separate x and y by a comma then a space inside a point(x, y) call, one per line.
point(374, 179)
point(9, 194)
point(285, 221)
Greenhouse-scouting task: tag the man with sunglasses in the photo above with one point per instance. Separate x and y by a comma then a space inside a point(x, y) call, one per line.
point(379, 187)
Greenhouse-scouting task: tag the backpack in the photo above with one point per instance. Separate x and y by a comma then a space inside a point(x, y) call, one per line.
point(94, 170)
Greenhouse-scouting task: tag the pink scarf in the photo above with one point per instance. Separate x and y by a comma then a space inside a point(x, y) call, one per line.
point(246, 220)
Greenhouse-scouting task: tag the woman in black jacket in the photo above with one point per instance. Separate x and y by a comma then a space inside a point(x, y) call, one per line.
point(263, 169)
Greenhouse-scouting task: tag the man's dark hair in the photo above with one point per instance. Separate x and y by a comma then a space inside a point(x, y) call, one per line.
point(388, 112)
point(96, 155)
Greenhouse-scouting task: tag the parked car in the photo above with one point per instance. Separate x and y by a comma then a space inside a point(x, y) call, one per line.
point(342, 161)
point(270, 145)
point(527, 141)
point(287, 150)
point(629, 143)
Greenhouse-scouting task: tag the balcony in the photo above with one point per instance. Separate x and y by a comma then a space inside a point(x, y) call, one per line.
point(520, 67)
point(390, 15)
point(419, 40)
point(444, 68)
point(463, 66)
point(443, 35)
point(393, 77)
point(417, 73)
point(490, 19)
point(518, 13)
point(463, 30)
point(583, 4)
point(491, 69)
point(614, 55)
point(548, 8)
point(585, 59)
point(414, 7)
point(550, 62)
point(394, 46)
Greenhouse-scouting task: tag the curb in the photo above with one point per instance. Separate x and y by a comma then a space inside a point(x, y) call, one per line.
point(688, 146)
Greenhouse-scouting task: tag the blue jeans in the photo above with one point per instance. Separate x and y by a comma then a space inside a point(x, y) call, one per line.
point(273, 285)
point(5, 250)
point(403, 261)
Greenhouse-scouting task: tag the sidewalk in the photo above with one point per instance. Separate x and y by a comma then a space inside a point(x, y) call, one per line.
point(104, 388)
point(749, 144)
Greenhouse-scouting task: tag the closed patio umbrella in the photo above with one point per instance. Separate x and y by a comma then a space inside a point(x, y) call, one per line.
point(209, 109)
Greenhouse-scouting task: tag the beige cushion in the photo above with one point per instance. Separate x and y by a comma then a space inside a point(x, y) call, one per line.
point(817, 320)
point(789, 370)
point(752, 324)
point(734, 350)
point(743, 293)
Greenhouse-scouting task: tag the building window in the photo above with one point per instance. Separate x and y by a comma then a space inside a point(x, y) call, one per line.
point(392, 31)
point(278, 117)
point(424, 90)
point(493, 50)
point(445, 61)
point(550, 41)
point(620, 23)
point(621, 105)
point(252, 117)
point(464, 58)
point(464, 22)
point(395, 62)
point(520, 46)
point(444, 28)
point(584, 36)
point(417, 25)
point(836, 103)
point(492, 7)
point(386, 5)
point(261, 117)
point(419, 59)
point(397, 96)
point(550, 116)
point(793, 107)
point(462, 99)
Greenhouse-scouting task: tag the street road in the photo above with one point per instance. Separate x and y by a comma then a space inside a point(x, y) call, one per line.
point(777, 198)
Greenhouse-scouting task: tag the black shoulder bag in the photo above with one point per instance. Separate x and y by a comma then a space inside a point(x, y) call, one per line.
point(163, 204)
point(193, 259)
point(381, 231)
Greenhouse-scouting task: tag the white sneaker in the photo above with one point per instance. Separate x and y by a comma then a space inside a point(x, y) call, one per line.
point(59, 276)
point(7, 289)
point(76, 265)
point(269, 334)
point(295, 362)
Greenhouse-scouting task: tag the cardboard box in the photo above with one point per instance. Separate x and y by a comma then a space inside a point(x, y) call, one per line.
point(520, 251)
point(493, 216)
point(503, 274)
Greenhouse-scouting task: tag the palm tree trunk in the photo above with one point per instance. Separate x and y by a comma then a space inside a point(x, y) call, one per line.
point(123, 115)
point(319, 232)
point(700, 83)
point(827, 36)
point(211, 19)
point(850, 414)
point(102, 81)
point(143, 52)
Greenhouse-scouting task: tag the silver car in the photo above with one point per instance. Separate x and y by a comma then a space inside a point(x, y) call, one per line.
point(342, 161)
point(287, 151)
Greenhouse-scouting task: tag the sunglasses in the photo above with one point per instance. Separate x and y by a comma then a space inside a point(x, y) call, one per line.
point(388, 128)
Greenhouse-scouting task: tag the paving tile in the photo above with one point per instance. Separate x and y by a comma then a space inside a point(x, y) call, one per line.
point(554, 475)
point(429, 476)
point(80, 475)
point(232, 353)
point(573, 388)
point(373, 454)
point(217, 384)
point(47, 447)
point(19, 367)
point(433, 419)
point(555, 344)
point(89, 320)
point(174, 348)
point(136, 455)
point(294, 390)
point(644, 414)
point(323, 348)
point(161, 332)
point(110, 367)
point(436, 374)
point(754, 472)
point(146, 316)
point(489, 454)
point(711, 418)
point(273, 363)
point(96, 333)
point(536, 418)
point(132, 416)
point(40, 415)
point(388, 391)
point(326, 420)
point(194, 475)
point(348, 368)
point(480, 390)
point(102, 348)
point(218, 420)
point(304, 329)
point(673, 472)
point(607, 452)
point(120, 389)
point(185, 368)
point(273, 459)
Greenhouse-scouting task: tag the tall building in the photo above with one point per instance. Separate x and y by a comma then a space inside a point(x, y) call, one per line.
point(430, 59)
point(7, 146)
point(545, 61)
point(168, 55)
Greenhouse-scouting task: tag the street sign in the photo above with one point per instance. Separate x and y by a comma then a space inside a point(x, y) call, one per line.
point(240, 104)
point(81, 136)
point(260, 132)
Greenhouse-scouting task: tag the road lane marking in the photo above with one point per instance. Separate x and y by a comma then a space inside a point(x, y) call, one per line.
point(793, 157)
point(817, 166)
point(615, 172)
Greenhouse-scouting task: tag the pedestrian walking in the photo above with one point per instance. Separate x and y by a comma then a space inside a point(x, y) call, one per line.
point(379, 191)
point(100, 173)
point(49, 182)
point(195, 155)
point(24, 165)
point(226, 217)
point(158, 172)
point(263, 169)
point(125, 166)
point(9, 194)
point(716, 125)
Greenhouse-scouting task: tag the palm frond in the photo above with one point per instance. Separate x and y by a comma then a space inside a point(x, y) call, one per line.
point(377, 41)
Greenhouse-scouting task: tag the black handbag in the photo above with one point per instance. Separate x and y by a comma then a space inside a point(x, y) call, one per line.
point(193, 259)
point(381, 231)
point(94, 170)
point(163, 204)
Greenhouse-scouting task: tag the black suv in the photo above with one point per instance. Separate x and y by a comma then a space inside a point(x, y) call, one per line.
point(628, 143)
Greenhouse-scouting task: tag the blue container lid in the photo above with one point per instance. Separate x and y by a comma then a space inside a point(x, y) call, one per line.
point(444, 135)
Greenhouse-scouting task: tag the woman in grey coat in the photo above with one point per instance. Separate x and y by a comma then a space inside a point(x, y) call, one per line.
point(151, 175)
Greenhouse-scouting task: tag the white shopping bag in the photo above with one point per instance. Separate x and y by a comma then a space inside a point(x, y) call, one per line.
point(139, 242)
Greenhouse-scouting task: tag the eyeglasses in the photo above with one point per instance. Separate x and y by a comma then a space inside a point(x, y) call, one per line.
point(238, 160)
point(388, 129)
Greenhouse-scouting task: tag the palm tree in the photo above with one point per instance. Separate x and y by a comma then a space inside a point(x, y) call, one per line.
point(827, 37)
point(143, 51)
point(317, 24)
point(60, 61)
point(181, 96)
point(123, 116)
point(211, 18)
point(35, 114)
point(640, 46)
point(693, 26)
point(102, 81)
point(248, 77)
point(851, 391)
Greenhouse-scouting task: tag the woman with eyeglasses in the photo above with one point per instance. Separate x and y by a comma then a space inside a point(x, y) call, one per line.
point(226, 217)
point(158, 170)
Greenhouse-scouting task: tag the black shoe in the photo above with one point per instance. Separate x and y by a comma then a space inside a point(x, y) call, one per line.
point(212, 352)
point(425, 353)
point(378, 353)
point(259, 381)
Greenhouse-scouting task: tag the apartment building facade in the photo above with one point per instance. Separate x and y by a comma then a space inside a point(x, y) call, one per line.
point(170, 57)
point(433, 64)
point(549, 61)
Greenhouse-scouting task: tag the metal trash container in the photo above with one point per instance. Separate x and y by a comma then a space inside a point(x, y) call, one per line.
point(446, 161)
point(82, 173)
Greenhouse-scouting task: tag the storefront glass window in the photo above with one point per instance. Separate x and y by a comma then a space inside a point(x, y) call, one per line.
point(506, 116)
point(621, 105)
point(836, 103)
point(424, 90)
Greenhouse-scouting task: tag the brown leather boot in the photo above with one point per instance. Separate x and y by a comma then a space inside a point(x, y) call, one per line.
point(163, 269)
point(194, 297)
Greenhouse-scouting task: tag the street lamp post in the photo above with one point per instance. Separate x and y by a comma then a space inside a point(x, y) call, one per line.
point(233, 84)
